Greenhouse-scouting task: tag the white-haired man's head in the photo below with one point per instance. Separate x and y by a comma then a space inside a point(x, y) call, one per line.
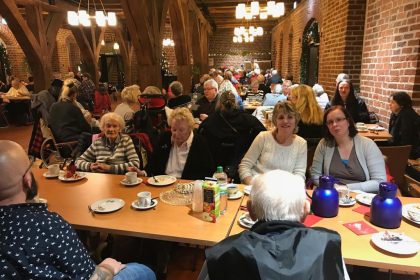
point(278, 195)
point(341, 76)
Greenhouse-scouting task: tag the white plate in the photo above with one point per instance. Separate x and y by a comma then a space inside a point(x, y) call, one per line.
point(79, 176)
point(107, 205)
point(407, 246)
point(365, 198)
point(246, 221)
point(237, 195)
point(163, 180)
point(247, 189)
point(125, 183)
point(350, 203)
point(377, 128)
point(362, 129)
point(405, 212)
point(136, 205)
point(47, 175)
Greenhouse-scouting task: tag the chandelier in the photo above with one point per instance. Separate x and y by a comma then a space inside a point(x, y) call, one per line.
point(273, 9)
point(84, 17)
point(247, 35)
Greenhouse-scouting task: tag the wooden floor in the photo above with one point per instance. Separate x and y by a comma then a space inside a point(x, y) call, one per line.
point(182, 257)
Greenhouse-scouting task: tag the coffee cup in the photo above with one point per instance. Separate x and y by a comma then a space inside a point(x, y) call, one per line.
point(53, 169)
point(232, 189)
point(144, 199)
point(131, 177)
point(360, 125)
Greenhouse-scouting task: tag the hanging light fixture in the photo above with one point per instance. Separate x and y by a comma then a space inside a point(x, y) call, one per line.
point(84, 18)
point(272, 9)
point(116, 46)
point(168, 42)
point(242, 34)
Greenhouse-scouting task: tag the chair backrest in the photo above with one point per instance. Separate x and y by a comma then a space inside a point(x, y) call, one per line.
point(396, 161)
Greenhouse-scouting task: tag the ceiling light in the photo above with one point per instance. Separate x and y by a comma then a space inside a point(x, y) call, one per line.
point(83, 17)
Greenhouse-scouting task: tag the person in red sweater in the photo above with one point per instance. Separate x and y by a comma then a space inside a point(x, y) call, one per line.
point(102, 100)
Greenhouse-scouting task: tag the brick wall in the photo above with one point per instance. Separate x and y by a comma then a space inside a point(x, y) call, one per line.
point(226, 53)
point(391, 58)
point(15, 53)
point(341, 39)
point(169, 50)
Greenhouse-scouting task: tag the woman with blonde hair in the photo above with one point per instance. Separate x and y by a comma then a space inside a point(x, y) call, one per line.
point(129, 104)
point(311, 115)
point(279, 148)
point(180, 152)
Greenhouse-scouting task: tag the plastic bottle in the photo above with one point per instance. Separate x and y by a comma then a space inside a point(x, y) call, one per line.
point(197, 197)
point(221, 178)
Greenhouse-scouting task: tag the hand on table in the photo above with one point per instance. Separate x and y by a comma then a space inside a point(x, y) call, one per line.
point(140, 173)
point(100, 167)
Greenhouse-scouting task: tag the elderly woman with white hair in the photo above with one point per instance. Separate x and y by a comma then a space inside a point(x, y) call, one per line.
point(180, 152)
point(113, 152)
point(278, 246)
point(321, 96)
point(130, 102)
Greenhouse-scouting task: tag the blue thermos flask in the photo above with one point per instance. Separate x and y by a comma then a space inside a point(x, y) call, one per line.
point(325, 198)
point(386, 208)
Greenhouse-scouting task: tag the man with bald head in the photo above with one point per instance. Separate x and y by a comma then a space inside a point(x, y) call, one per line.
point(38, 244)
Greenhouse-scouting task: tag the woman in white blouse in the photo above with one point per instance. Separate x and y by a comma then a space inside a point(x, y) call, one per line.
point(279, 148)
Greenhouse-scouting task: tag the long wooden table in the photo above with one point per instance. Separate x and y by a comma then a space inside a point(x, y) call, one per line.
point(358, 249)
point(166, 222)
point(381, 135)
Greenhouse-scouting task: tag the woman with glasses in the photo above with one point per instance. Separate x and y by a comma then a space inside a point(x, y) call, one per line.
point(352, 159)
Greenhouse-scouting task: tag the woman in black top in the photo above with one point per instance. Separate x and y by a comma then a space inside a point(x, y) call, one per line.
point(344, 96)
point(404, 124)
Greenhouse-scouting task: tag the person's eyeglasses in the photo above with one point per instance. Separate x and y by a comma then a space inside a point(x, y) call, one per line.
point(337, 120)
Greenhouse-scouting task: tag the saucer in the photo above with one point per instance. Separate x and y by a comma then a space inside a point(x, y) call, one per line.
point(49, 176)
point(76, 177)
point(246, 221)
point(162, 180)
point(107, 205)
point(237, 195)
point(351, 202)
point(247, 189)
point(365, 198)
point(125, 183)
point(135, 205)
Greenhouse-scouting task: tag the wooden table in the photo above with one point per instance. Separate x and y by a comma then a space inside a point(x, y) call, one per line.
point(167, 222)
point(358, 249)
point(382, 135)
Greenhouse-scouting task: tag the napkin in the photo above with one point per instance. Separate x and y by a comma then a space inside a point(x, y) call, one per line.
point(311, 220)
point(360, 228)
point(362, 209)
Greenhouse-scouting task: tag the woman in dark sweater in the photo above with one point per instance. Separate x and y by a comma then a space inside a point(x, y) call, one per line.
point(345, 96)
point(404, 124)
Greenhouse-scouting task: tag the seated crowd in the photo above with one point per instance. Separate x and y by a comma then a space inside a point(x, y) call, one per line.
point(188, 139)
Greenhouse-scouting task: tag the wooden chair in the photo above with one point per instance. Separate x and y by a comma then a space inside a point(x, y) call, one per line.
point(396, 161)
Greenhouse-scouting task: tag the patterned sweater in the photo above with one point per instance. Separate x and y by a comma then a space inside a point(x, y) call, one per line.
point(119, 156)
